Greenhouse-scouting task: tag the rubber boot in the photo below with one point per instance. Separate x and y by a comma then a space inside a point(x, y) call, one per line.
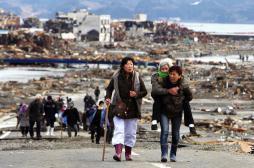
point(117, 156)
point(48, 131)
point(164, 153)
point(128, 153)
point(52, 131)
point(173, 153)
point(193, 131)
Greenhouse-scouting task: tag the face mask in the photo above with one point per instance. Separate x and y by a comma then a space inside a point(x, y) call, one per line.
point(163, 74)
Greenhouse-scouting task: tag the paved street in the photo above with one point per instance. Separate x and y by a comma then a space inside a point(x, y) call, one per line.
point(143, 158)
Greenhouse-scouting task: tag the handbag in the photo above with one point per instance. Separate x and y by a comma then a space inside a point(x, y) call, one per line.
point(120, 109)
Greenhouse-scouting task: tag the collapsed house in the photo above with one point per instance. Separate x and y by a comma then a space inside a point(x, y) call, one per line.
point(9, 21)
point(132, 28)
point(84, 25)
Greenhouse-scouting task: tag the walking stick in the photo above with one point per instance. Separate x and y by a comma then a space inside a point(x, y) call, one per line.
point(61, 130)
point(105, 132)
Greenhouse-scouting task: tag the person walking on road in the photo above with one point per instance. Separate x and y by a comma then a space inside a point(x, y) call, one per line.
point(35, 111)
point(97, 93)
point(97, 122)
point(129, 89)
point(73, 118)
point(50, 108)
point(171, 110)
point(23, 119)
point(89, 104)
point(156, 81)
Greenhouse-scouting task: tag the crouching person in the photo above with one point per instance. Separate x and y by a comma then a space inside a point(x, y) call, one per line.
point(72, 116)
point(129, 89)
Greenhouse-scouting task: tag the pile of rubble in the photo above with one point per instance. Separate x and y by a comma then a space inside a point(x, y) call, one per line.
point(20, 44)
point(236, 82)
point(173, 32)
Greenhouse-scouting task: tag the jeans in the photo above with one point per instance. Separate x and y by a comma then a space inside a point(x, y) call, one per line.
point(175, 129)
point(72, 127)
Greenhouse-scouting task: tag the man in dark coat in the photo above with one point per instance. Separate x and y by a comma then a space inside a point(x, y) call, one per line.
point(50, 108)
point(97, 93)
point(35, 111)
point(89, 103)
point(72, 115)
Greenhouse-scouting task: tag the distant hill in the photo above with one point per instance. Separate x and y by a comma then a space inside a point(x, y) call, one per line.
point(220, 11)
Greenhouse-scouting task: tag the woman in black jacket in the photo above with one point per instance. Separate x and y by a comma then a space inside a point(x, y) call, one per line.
point(129, 89)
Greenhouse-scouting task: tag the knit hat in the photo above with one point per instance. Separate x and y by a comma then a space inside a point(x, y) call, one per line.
point(166, 61)
point(38, 96)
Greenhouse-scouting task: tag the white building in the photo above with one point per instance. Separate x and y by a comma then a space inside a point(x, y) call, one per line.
point(88, 26)
point(76, 15)
point(141, 17)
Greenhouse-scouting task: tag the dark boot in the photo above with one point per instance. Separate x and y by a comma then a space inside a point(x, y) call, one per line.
point(97, 140)
point(173, 153)
point(92, 136)
point(128, 153)
point(117, 156)
point(193, 131)
point(164, 153)
point(98, 137)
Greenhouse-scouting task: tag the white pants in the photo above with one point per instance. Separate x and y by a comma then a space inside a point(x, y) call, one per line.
point(125, 131)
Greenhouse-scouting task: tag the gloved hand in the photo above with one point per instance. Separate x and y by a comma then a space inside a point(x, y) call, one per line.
point(154, 125)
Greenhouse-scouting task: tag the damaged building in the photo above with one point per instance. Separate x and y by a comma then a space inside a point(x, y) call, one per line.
point(137, 27)
point(32, 22)
point(94, 28)
point(9, 21)
point(84, 25)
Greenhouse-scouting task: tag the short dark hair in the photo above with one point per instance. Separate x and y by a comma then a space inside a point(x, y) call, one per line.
point(101, 102)
point(49, 97)
point(176, 68)
point(125, 60)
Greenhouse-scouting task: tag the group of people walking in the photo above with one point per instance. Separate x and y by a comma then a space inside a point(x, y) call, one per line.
point(171, 95)
point(46, 110)
point(124, 94)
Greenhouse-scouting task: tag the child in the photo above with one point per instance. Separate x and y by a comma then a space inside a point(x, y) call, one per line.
point(97, 122)
point(23, 119)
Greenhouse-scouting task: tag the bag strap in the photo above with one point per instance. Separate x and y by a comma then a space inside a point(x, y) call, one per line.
point(133, 79)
